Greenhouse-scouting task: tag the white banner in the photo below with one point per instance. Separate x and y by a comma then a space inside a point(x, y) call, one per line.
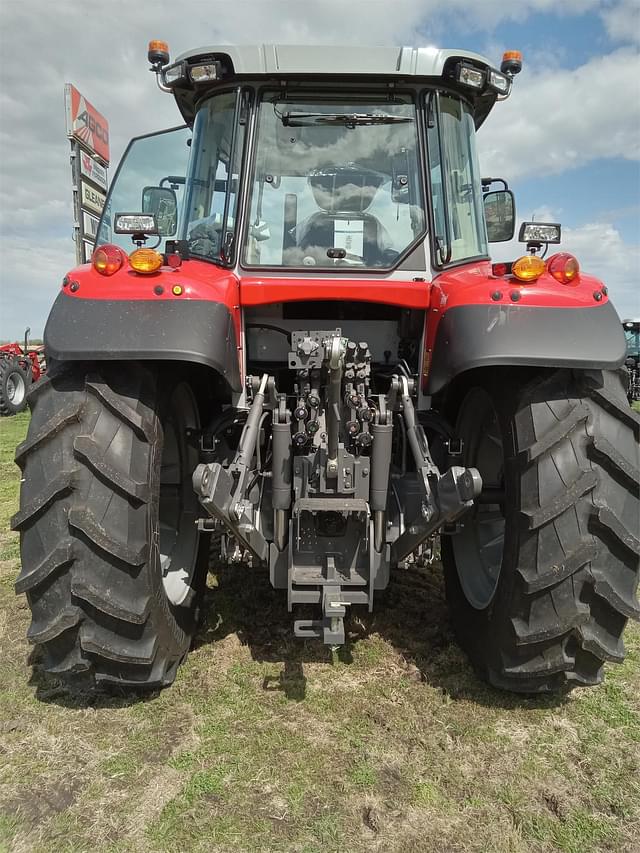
point(91, 169)
point(91, 198)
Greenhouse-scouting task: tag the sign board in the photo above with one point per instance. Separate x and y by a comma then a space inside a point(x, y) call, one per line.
point(89, 225)
point(91, 169)
point(91, 198)
point(86, 124)
point(87, 251)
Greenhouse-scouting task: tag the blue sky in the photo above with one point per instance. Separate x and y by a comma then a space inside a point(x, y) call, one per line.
point(568, 139)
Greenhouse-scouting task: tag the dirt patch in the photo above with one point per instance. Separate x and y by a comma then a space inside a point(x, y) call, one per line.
point(553, 803)
point(35, 806)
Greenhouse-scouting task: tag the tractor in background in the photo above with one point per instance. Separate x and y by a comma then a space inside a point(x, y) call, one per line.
point(20, 366)
point(632, 361)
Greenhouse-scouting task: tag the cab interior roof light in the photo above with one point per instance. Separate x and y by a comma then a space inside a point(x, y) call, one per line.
point(500, 82)
point(470, 76)
point(206, 72)
point(174, 74)
point(539, 232)
point(135, 223)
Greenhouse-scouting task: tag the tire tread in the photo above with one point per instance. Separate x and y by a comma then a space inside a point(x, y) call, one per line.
point(91, 576)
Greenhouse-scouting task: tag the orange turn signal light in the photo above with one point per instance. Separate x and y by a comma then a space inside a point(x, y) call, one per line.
point(107, 259)
point(528, 268)
point(564, 267)
point(145, 261)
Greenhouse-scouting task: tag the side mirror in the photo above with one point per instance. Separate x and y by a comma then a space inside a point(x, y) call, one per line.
point(163, 204)
point(500, 214)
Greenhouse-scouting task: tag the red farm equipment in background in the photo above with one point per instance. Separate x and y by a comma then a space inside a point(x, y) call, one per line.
point(19, 367)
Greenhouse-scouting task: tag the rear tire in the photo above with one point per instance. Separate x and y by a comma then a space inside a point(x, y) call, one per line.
point(106, 505)
point(552, 606)
point(14, 382)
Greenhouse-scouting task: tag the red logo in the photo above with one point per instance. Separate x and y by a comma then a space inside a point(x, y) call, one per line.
point(86, 124)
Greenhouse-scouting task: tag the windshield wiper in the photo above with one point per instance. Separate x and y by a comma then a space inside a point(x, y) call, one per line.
point(347, 119)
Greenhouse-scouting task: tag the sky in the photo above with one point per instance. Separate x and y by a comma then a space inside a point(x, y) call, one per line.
point(567, 140)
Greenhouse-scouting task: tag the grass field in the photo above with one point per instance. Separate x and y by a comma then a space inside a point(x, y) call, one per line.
point(265, 743)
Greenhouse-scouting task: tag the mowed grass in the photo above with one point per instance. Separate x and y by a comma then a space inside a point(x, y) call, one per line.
point(265, 743)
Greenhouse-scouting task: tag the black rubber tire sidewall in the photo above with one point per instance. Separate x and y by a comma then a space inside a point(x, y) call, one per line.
point(11, 367)
point(484, 632)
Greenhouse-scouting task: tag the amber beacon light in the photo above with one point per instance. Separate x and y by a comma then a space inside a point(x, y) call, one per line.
point(158, 52)
point(511, 62)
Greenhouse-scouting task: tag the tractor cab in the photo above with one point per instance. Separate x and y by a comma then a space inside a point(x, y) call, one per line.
point(314, 160)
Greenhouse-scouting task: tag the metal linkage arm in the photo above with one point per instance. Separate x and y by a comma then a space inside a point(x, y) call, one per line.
point(221, 490)
point(446, 496)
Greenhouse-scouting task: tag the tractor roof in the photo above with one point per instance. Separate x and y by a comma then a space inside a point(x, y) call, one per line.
point(282, 62)
point(296, 59)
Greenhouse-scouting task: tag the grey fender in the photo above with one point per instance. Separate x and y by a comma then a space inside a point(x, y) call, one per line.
point(196, 331)
point(471, 336)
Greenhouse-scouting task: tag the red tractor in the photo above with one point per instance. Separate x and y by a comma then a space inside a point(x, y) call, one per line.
point(291, 336)
point(19, 367)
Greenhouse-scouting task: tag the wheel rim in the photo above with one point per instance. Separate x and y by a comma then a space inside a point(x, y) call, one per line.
point(178, 506)
point(479, 546)
point(16, 388)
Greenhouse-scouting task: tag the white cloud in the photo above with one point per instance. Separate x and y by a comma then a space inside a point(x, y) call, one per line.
point(622, 20)
point(560, 119)
point(31, 278)
point(601, 251)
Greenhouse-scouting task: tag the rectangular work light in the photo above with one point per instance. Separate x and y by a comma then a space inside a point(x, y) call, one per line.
point(500, 82)
point(540, 232)
point(471, 76)
point(135, 223)
point(174, 74)
point(206, 72)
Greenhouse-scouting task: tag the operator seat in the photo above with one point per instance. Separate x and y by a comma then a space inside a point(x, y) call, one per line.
point(343, 195)
point(318, 234)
